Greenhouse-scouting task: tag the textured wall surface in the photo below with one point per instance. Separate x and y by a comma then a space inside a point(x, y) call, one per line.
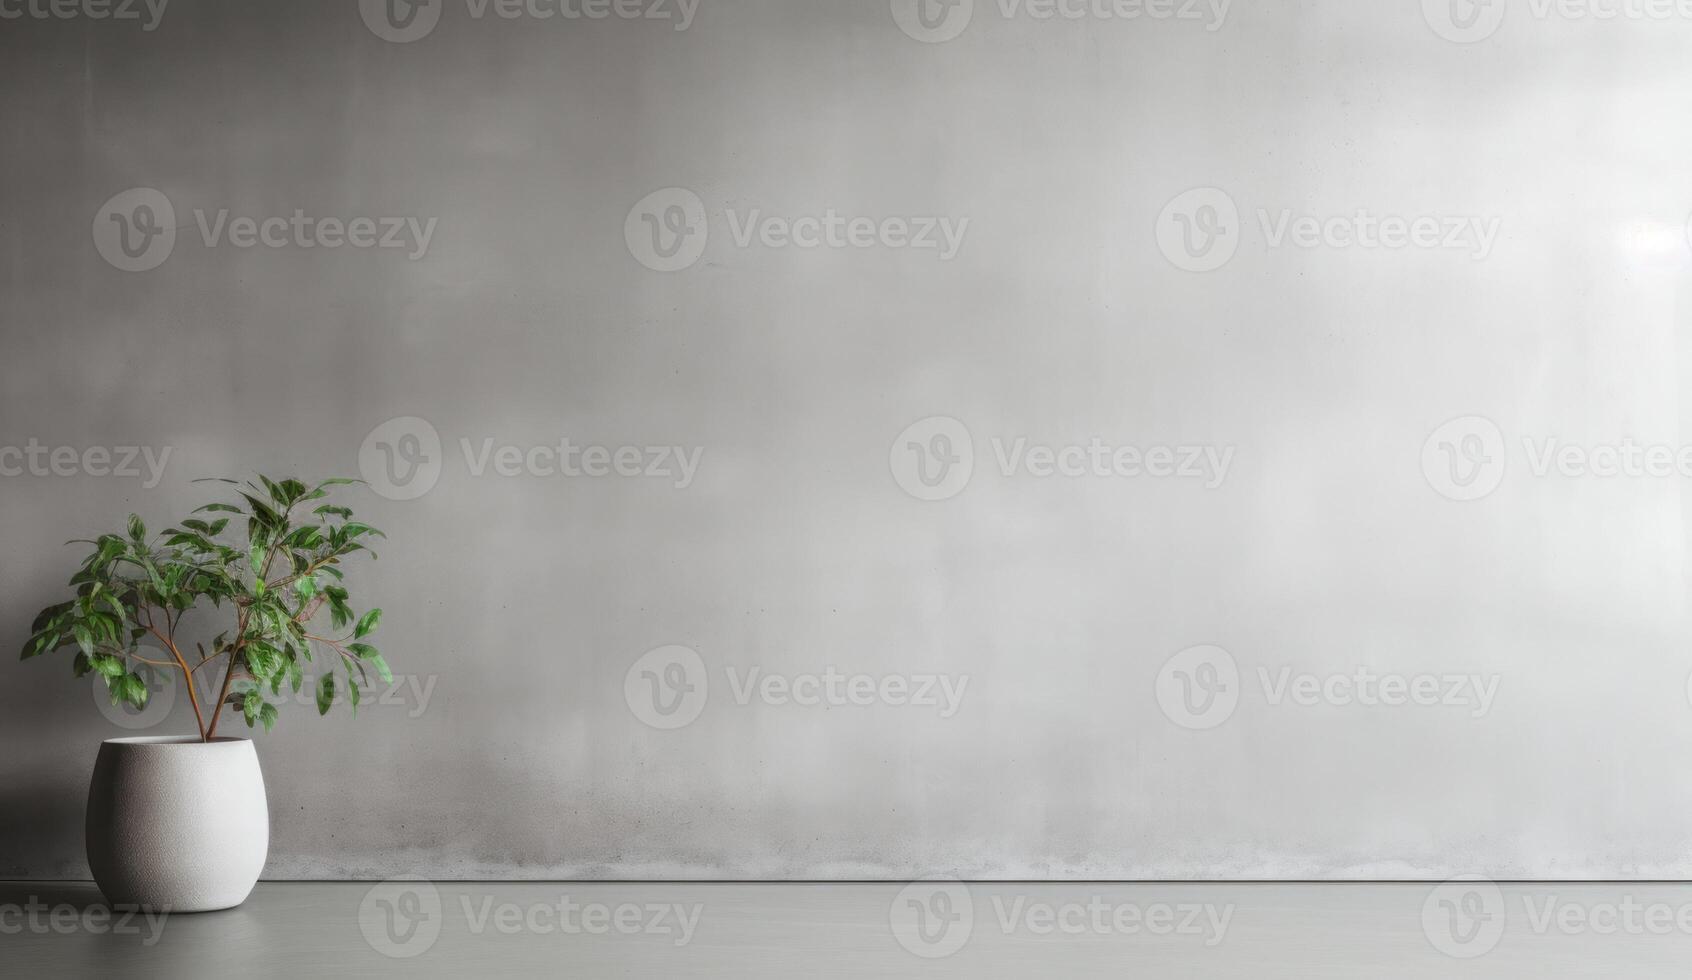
point(1238, 440)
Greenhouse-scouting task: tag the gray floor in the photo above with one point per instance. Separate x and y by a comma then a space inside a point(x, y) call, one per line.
point(938, 929)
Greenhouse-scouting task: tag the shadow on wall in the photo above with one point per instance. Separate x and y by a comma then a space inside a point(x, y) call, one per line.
point(41, 811)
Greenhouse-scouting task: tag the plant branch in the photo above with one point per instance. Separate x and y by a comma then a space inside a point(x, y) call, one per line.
point(242, 620)
point(187, 676)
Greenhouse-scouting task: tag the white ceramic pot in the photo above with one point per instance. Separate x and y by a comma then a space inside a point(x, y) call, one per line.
point(177, 824)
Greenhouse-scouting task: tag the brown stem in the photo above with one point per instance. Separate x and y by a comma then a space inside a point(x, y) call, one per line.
point(187, 676)
point(222, 695)
point(241, 631)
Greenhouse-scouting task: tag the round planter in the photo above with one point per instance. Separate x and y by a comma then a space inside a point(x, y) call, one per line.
point(177, 824)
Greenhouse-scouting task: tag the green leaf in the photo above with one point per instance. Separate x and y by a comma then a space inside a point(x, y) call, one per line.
point(47, 616)
point(368, 624)
point(262, 511)
point(344, 513)
point(127, 687)
point(219, 509)
point(367, 654)
point(137, 530)
point(275, 491)
point(264, 660)
point(267, 716)
point(108, 666)
point(325, 693)
point(40, 643)
point(305, 587)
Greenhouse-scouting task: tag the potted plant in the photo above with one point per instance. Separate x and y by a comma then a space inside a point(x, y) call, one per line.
point(181, 824)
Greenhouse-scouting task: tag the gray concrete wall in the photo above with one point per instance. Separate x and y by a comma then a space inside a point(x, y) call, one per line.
point(1413, 491)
